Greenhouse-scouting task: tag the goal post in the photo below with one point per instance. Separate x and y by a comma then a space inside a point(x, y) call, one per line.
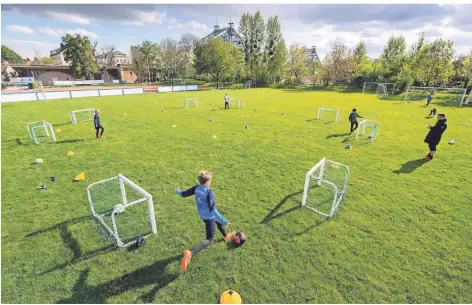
point(325, 187)
point(190, 100)
point(39, 130)
point(467, 101)
point(40, 85)
point(372, 126)
point(119, 207)
point(250, 84)
point(450, 95)
point(322, 113)
point(381, 91)
point(82, 115)
point(369, 87)
point(236, 103)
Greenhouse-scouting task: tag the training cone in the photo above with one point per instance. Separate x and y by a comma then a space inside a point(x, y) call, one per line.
point(334, 166)
point(58, 130)
point(214, 137)
point(230, 297)
point(125, 114)
point(80, 177)
point(348, 147)
point(70, 153)
point(174, 125)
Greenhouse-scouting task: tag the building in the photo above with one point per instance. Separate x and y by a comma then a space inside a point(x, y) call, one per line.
point(227, 34)
point(58, 56)
point(114, 58)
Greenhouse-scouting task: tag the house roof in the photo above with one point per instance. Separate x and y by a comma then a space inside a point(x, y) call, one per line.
point(39, 67)
point(228, 34)
point(116, 53)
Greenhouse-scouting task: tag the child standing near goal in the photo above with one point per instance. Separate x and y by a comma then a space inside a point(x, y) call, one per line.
point(434, 135)
point(353, 119)
point(428, 99)
point(97, 124)
point(205, 200)
point(226, 101)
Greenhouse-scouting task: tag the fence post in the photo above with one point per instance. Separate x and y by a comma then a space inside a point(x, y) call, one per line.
point(70, 93)
point(98, 92)
point(37, 97)
point(123, 91)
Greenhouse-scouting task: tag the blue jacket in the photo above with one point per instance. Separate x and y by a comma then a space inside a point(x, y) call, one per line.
point(96, 121)
point(205, 199)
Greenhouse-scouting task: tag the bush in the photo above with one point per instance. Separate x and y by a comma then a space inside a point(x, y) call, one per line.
point(4, 86)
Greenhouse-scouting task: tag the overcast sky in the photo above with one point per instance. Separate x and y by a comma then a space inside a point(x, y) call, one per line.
point(30, 27)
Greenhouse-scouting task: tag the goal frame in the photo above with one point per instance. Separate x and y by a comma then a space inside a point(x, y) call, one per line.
point(381, 90)
point(377, 83)
point(368, 123)
point(461, 91)
point(250, 84)
point(338, 192)
point(190, 100)
point(240, 102)
point(468, 98)
point(73, 119)
point(40, 84)
point(113, 231)
point(46, 126)
point(320, 113)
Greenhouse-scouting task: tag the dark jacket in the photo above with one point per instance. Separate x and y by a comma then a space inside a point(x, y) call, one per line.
point(434, 135)
point(96, 121)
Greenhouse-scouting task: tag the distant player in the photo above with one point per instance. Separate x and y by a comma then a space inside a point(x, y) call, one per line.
point(206, 209)
point(428, 99)
point(434, 135)
point(226, 101)
point(432, 113)
point(353, 119)
point(97, 124)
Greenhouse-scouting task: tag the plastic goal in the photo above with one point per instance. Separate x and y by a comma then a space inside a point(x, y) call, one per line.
point(371, 87)
point(38, 131)
point(188, 101)
point(369, 128)
point(329, 114)
point(236, 103)
point(250, 84)
point(447, 95)
point(40, 84)
point(81, 115)
point(468, 100)
point(119, 208)
point(325, 186)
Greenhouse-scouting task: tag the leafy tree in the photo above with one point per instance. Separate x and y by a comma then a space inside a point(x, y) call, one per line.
point(252, 30)
point(44, 60)
point(11, 56)
point(297, 68)
point(393, 57)
point(275, 49)
point(338, 66)
point(146, 60)
point(187, 46)
point(435, 63)
point(217, 58)
point(79, 52)
point(361, 64)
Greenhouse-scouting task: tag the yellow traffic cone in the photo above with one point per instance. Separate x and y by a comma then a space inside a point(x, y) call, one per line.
point(80, 177)
point(58, 130)
point(174, 125)
point(214, 137)
point(334, 166)
point(125, 114)
point(70, 153)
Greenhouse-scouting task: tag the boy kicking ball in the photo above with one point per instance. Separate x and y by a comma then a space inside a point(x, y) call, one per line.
point(434, 135)
point(205, 200)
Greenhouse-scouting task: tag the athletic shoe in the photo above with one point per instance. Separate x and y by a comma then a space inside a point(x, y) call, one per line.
point(186, 260)
point(228, 236)
point(427, 157)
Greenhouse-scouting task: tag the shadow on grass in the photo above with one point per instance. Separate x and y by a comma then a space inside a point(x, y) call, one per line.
point(272, 214)
point(17, 141)
point(318, 222)
point(312, 120)
point(66, 141)
point(410, 166)
point(337, 135)
point(62, 124)
point(154, 274)
point(71, 242)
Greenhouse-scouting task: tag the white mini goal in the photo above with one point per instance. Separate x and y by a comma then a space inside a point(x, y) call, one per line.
point(82, 115)
point(188, 101)
point(236, 103)
point(372, 128)
point(119, 206)
point(40, 130)
point(450, 95)
point(323, 113)
point(468, 100)
point(325, 186)
point(250, 84)
point(370, 87)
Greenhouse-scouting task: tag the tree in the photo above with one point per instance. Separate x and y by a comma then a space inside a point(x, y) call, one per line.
point(79, 51)
point(337, 67)
point(10, 55)
point(43, 60)
point(393, 57)
point(217, 58)
point(145, 59)
point(361, 64)
point(297, 60)
point(275, 50)
point(105, 58)
point(435, 63)
point(187, 46)
point(252, 30)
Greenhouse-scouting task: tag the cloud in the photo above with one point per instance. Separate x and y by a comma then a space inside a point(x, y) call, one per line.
point(27, 48)
point(142, 18)
point(62, 32)
point(19, 29)
point(172, 21)
point(72, 18)
point(192, 26)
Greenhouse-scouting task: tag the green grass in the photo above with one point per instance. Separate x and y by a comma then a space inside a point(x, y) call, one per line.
point(403, 234)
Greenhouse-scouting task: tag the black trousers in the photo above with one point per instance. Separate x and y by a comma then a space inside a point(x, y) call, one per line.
point(226, 105)
point(98, 128)
point(352, 125)
point(210, 231)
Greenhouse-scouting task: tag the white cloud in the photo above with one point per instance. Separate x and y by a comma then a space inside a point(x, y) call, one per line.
point(72, 18)
point(27, 48)
point(192, 26)
point(142, 18)
point(170, 27)
point(172, 21)
point(61, 32)
point(19, 29)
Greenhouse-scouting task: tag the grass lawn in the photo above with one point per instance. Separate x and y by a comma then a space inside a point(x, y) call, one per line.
point(403, 234)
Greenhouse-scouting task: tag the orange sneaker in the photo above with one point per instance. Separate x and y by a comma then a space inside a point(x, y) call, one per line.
point(228, 236)
point(185, 260)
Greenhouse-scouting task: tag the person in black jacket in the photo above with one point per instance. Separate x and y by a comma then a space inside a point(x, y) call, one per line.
point(434, 135)
point(353, 119)
point(97, 124)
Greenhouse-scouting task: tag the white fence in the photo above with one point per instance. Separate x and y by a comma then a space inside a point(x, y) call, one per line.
point(177, 88)
point(52, 95)
point(62, 83)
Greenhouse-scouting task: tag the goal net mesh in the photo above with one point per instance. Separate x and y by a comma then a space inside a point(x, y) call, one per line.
point(81, 115)
point(330, 115)
point(447, 96)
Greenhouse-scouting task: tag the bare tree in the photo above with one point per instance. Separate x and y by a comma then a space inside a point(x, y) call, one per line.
point(105, 57)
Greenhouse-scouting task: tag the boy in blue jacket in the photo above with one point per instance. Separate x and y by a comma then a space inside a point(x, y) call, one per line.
point(97, 124)
point(205, 200)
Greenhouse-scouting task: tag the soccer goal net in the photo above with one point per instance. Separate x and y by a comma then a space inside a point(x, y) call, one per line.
point(373, 87)
point(39, 131)
point(381, 91)
point(368, 128)
point(188, 101)
point(250, 84)
point(122, 209)
point(328, 114)
point(81, 115)
point(43, 93)
point(445, 95)
point(236, 103)
point(325, 186)
point(468, 100)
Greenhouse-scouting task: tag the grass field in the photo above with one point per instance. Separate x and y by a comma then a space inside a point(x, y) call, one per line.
point(403, 234)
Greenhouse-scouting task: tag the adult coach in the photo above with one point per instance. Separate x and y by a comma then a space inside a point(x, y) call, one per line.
point(434, 135)
point(226, 101)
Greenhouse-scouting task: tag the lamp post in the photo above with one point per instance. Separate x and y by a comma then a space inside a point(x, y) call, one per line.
point(149, 72)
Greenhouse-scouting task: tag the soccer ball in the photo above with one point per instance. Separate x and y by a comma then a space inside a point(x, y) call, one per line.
point(452, 142)
point(38, 161)
point(239, 238)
